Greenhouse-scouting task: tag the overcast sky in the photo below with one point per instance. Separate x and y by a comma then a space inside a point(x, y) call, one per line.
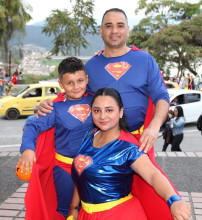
point(43, 8)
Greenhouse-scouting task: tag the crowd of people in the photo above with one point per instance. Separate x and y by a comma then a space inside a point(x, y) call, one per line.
point(188, 82)
point(6, 82)
point(122, 127)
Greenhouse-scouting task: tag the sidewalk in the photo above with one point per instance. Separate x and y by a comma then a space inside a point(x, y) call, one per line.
point(13, 207)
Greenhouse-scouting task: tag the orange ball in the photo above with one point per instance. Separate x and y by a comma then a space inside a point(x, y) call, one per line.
point(22, 175)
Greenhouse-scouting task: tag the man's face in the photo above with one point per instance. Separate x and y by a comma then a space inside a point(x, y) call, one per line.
point(114, 30)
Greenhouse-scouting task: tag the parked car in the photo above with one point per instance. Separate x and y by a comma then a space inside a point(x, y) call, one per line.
point(189, 100)
point(23, 102)
point(171, 85)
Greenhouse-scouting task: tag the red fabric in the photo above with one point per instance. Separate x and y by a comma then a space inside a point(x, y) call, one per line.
point(129, 210)
point(40, 199)
point(155, 207)
point(14, 80)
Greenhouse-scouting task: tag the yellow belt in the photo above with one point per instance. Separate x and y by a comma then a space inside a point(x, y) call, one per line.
point(138, 131)
point(90, 208)
point(63, 158)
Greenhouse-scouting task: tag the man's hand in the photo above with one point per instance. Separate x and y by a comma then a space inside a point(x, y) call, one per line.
point(148, 138)
point(45, 107)
point(150, 134)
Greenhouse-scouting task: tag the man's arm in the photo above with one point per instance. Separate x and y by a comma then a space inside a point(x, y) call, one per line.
point(150, 134)
point(45, 107)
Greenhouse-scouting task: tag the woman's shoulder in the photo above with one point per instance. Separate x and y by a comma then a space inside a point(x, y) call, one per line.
point(128, 137)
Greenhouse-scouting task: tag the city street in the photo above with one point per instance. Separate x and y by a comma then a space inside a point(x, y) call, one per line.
point(11, 133)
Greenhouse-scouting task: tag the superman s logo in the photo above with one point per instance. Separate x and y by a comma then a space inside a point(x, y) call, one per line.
point(80, 112)
point(118, 69)
point(81, 162)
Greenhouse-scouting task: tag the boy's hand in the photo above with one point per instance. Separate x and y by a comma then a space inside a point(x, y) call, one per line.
point(73, 214)
point(27, 158)
point(45, 107)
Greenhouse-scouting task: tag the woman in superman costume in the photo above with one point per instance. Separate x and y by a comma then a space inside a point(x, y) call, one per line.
point(104, 166)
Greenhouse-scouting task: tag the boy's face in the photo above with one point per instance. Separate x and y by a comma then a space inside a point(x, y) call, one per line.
point(74, 84)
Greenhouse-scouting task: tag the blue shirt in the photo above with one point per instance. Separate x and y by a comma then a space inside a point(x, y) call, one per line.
point(177, 126)
point(71, 119)
point(104, 174)
point(135, 75)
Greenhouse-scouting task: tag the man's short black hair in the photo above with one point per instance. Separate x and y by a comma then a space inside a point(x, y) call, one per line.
point(70, 65)
point(114, 10)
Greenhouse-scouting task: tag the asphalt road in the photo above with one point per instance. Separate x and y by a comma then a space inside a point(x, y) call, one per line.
point(11, 133)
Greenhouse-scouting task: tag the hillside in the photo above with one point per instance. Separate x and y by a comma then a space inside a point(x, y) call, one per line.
point(35, 36)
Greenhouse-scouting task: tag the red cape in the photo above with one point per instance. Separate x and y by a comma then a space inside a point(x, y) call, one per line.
point(40, 199)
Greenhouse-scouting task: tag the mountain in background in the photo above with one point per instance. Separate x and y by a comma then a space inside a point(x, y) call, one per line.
point(35, 36)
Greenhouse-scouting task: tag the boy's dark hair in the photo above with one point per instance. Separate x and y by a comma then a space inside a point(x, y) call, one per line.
point(115, 10)
point(70, 65)
point(123, 125)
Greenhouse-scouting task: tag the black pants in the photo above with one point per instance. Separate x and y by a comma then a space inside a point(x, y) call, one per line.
point(176, 142)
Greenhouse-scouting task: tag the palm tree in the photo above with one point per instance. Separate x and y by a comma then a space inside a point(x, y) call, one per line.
point(13, 19)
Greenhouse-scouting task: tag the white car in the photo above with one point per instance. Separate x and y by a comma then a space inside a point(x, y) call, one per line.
point(189, 100)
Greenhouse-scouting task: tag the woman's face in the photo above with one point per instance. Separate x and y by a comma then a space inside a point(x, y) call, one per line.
point(176, 112)
point(106, 113)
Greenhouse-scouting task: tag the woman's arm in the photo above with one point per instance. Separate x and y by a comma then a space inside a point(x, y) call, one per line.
point(74, 206)
point(144, 167)
point(179, 123)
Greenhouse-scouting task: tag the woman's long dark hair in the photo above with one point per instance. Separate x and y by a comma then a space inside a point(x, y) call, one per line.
point(123, 125)
point(180, 112)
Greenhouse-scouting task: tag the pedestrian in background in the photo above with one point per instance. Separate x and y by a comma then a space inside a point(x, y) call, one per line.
point(1, 82)
point(177, 125)
point(183, 82)
point(196, 82)
point(167, 133)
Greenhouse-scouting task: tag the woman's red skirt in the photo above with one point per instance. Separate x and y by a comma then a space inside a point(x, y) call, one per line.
point(130, 210)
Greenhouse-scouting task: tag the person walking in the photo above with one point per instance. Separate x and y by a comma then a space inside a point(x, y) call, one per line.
point(177, 125)
point(167, 133)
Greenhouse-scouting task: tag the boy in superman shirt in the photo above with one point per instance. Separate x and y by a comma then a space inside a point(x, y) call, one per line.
point(71, 119)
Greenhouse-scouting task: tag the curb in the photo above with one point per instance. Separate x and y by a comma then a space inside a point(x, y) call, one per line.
point(13, 208)
point(157, 154)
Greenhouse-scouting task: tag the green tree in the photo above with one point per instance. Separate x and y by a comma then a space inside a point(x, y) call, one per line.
point(175, 46)
point(70, 27)
point(13, 17)
point(171, 32)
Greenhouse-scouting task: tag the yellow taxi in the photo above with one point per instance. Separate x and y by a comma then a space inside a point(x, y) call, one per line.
point(23, 102)
point(171, 85)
